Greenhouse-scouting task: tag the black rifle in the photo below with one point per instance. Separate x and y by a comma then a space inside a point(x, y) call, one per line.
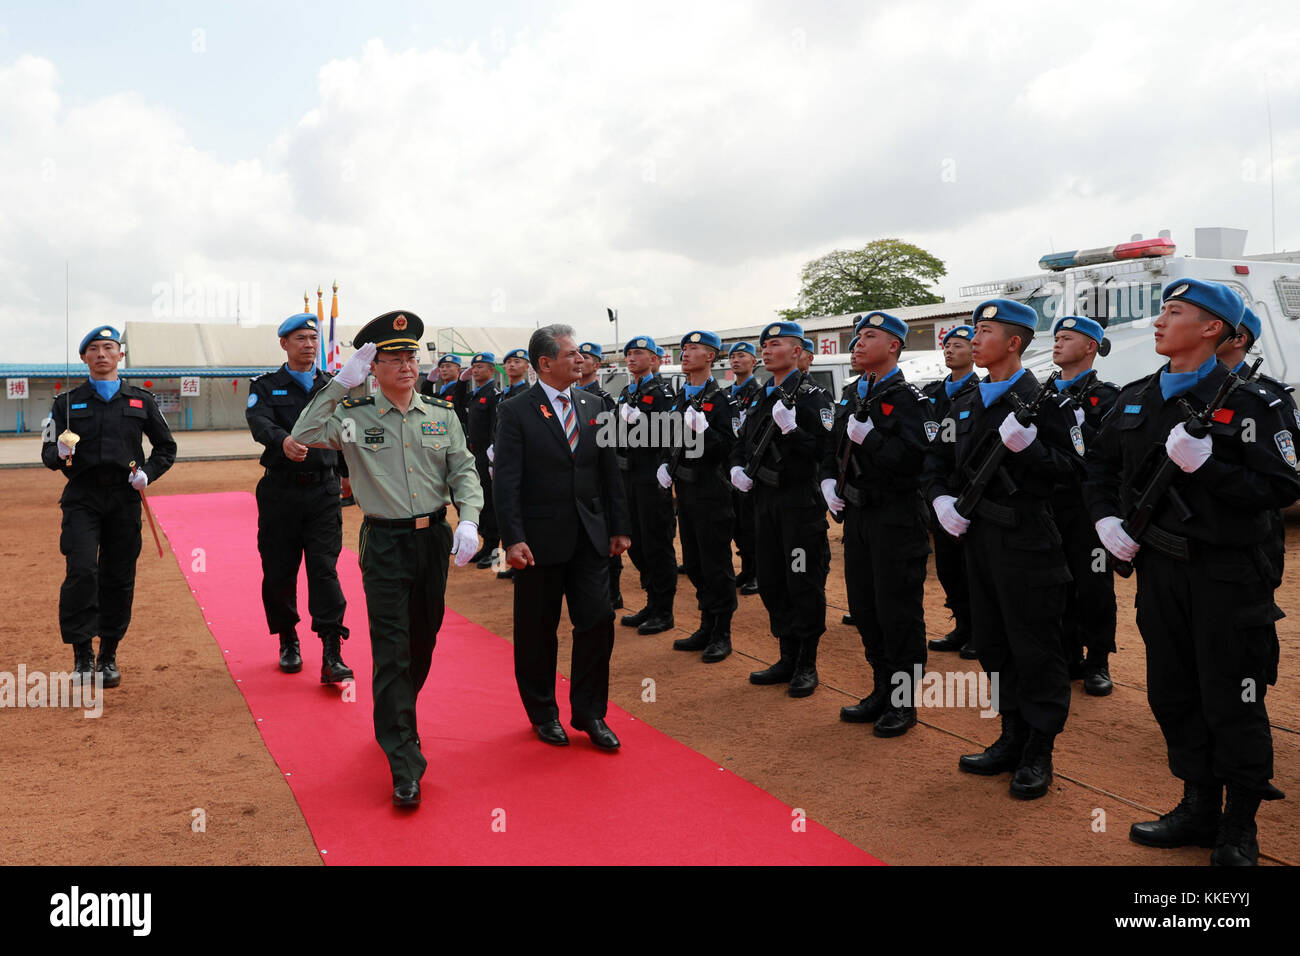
point(769, 430)
point(1025, 414)
point(675, 457)
point(1160, 484)
point(845, 453)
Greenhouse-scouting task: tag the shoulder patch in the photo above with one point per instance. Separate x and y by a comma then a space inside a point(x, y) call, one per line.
point(1286, 446)
point(356, 402)
point(436, 402)
point(252, 399)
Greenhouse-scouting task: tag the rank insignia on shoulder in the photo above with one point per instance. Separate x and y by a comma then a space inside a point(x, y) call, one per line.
point(357, 402)
point(1286, 445)
point(828, 418)
point(1076, 436)
point(437, 402)
point(931, 430)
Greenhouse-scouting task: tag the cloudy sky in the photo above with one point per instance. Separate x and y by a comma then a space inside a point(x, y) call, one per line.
point(500, 164)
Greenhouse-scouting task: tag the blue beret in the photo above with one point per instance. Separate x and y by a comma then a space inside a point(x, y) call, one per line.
point(484, 357)
point(1214, 297)
point(591, 348)
point(449, 357)
point(745, 347)
point(808, 345)
point(1005, 310)
point(782, 330)
point(883, 320)
point(659, 350)
point(1250, 323)
point(966, 332)
point(516, 353)
point(1082, 325)
point(103, 333)
point(701, 337)
point(641, 342)
point(303, 320)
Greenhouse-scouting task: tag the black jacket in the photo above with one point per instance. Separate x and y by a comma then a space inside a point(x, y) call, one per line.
point(275, 400)
point(109, 432)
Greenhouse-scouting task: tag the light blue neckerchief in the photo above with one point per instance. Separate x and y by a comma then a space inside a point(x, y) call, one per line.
point(737, 386)
point(693, 390)
point(645, 380)
point(771, 387)
point(1063, 383)
point(1173, 384)
point(447, 387)
point(305, 379)
point(107, 389)
point(862, 382)
point(950, 387)
point(990, 392)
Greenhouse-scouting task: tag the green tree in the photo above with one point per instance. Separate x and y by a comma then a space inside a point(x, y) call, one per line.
point(884, 274)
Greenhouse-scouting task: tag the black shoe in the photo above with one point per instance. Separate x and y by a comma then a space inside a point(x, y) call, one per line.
point(656, 625)
point(1194, 822)
point(782, 670)
point(869, 708)
point(83, 661)
point(407, 795)
point(1237, 843)
point(479, 555)
point(749, 587)
point(1096, 675)
point(1034, 775)
point(507, 573)
point(107, 663)
point(804, 680)
point(637, 619)
point(1004, 753)
point(332, 668)
point(847, 620)
point(895, 722)
point(290, 655)
point(954, 640)
point(700, 638)
point(719, 648)
point(968, 653)
point(552, 733)
point(487, 560)
point(598, 731)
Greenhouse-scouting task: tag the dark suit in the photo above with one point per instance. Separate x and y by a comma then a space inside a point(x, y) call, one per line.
point(565, 506)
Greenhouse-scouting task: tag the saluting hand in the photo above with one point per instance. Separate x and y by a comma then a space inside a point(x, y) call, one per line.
point(355, 369)
point(293, 450)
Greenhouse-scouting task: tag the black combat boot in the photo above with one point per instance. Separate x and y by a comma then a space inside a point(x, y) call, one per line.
point(954, 640)
point(898, 719)
point(720, 641)
point(107, 663)
point(486, 557)
point(1096, 674)
point(1194, 822)
point(83, 661)
point(656, 622)
point(1004, 753)
point(637, 619)
point(332, 668)
point(804, 680)
point(869, 708)
point(290, 656)
point(783, 669)
point(1034, 775)
point(1237, 843)
point(699, 638)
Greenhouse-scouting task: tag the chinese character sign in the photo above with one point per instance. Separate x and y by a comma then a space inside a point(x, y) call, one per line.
point(17, 388)
point(190, 386)
point(828, 344)
point(941, 330)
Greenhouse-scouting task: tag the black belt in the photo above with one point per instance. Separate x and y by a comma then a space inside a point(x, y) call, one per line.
point(418, 523)
point(283, 477)
point(103, 475)
point(1171, 545)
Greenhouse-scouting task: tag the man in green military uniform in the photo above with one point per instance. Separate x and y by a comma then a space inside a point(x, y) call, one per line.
point(408, 458)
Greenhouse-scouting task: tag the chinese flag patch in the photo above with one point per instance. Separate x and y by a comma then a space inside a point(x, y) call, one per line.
point(1223, 416)
point(483, 400)
point(136, 402)
point(886, 408)
point(707, 406)
point(648, 400)
point(1093, 399)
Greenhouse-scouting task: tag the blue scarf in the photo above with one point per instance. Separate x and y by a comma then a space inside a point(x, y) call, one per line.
point(1173, 384)
point(645, 380)
point(305, 379)
point(1063, 383)
point(107, 389)
point(693, 390)
point(990, 392)
point(1239, 366)
point(950, 387)
point(736, 387)
point(771, 386)
point(862, 382)
point(447, 387)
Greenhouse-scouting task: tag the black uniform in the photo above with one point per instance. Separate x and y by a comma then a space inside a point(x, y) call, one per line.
point(610, 407)
point(949, 560)
point(743, 397)
point(1284, 401)
point(101, 510)
point(299, 514)
point(518, 388)
point(886, 538)
point(650, 506)
point(456, 391)
point(1089, 618)
point(481, 432)
point(790, 528)
point(1205, 585)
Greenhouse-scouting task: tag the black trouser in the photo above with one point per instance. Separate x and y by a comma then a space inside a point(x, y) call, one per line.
point(487, 517)
point(705, 515)
point(582, 582)
point(790, 548)
point(742, 530)
point(653, 527)
point(296, 521)
point(404, 572)
point(1017, 579)
point(1089, 618)
point(885, 547)
point(950, 566)
point(100, 541)
point(1211, 653)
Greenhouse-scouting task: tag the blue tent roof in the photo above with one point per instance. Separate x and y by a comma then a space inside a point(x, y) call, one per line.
point(78, 371)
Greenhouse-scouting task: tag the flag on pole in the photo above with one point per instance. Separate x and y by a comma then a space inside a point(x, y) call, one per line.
point(335, 359)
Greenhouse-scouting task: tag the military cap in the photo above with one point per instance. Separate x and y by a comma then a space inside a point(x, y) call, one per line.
point(1250, 323)
point(779, 330)
point(1082, 325)
point(303, 320)
point(966, 332)
point(641, 342)
point(885, 322)
point(450, 357)
point(105, 333)
point(709, 340)
point(1005, 310)
point(591, 348)
point(516, 353)
point(808, 345)
point(487, 357)
point(391, 332)
point(1214, 297)
point(746, 347)
point(659, 350)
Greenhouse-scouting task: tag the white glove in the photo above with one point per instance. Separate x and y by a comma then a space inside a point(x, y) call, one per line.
point(833, 501)
point(630, 413)
point(492, 453)
point(784, 417)
point(464, 543)
point(695, 421)
point(858, 431)
point(1187, 453)
point(1015, 436)
point(357, 367)
point(138, 479)
point(1115, 539)
point(64, 451)
point(945, 508)
point(463, 376)
point(665, 480)
point(739, 480)
point(1078, 416)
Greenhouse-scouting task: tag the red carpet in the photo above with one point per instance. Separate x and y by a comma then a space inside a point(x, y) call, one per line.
point(493, 794)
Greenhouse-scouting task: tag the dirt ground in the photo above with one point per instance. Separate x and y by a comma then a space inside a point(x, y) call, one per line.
point(120, 789)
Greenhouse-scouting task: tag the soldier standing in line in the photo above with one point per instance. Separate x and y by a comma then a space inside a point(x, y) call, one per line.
point(451, 384)
point(745, 391)
point(516, 364)
point(483, 399)
point(591, 354)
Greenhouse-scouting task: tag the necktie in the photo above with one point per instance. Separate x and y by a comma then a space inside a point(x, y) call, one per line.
point(570, 422)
